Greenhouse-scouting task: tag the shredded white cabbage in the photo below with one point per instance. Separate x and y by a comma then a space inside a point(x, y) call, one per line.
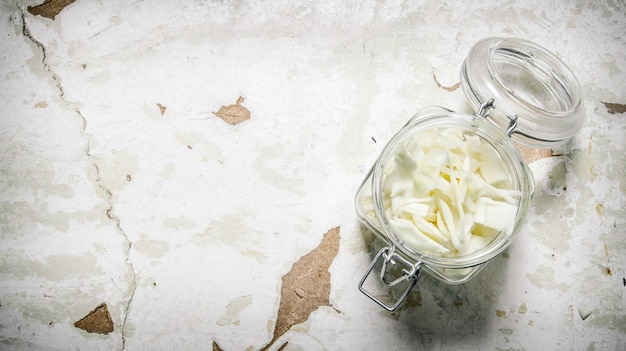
point(448, 193)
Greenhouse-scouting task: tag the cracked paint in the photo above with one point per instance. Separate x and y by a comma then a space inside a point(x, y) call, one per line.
point(42, 49)
point(64, 263)
point(450, 88)
point(118, 183)
point(97, 321)
point(233, 114)
point(50, 8)
point(306, 287)
point(615, 108)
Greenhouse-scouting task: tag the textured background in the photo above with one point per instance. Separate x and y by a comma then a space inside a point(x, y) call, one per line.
point(119, 185)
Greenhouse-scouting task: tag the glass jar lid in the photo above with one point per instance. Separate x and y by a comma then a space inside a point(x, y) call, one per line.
point(529, 82)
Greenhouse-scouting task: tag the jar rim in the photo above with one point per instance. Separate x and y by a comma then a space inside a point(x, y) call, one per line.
point(526, 80)
point(505, 148)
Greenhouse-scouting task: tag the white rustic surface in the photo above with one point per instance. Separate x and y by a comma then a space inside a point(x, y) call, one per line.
point(184, 224)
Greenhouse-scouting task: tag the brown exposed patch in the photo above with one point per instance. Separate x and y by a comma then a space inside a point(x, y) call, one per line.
point(592, 171)
point(614, 108)
point(500, 313)
point(50, 8)
point(608, 271)
point(306, 286)
point(41, 104)
point(129, 178)
point(97, 321)
point(233, 114)
point(216, 347)
point(162, 108)
point(533, 154)
point(600, 209)
point(448, 88)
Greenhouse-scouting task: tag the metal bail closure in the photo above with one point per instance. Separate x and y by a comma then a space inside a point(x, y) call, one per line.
point(410, 272)
point(483, 111)
point(512, 125)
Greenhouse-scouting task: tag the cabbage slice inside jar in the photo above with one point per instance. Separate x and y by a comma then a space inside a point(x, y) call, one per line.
point(447, 193)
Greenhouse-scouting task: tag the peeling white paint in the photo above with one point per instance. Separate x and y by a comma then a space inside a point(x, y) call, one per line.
point(169, 218)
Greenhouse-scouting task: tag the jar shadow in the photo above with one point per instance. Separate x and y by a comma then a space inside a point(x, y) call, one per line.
point(466, 107)
point(451, 311)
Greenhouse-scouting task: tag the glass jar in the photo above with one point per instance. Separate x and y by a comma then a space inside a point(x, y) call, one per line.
point(522, 93)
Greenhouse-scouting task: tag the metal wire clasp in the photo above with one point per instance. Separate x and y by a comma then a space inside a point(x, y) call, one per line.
point(512, 125)
point(483, 111)
point(410, 272)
